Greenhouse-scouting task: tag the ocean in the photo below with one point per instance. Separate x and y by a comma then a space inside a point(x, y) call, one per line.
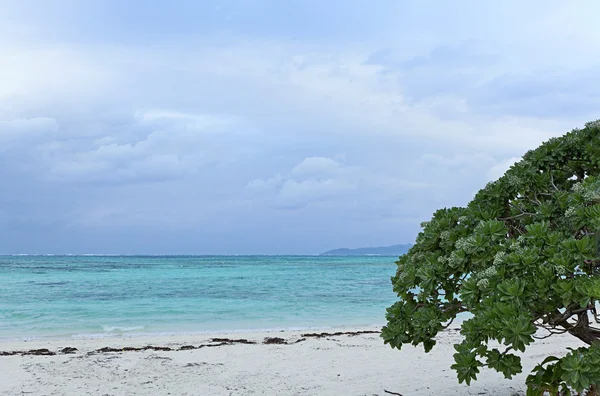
point(99, 296)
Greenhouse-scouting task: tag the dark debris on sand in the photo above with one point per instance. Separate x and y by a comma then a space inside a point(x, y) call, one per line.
point(215, 342)
point(34, 352)
point(228, 341)
point(274, 340)
point(339, 333)
point(280, 341)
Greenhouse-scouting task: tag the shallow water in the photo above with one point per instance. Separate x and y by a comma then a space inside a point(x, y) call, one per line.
point(97, 296)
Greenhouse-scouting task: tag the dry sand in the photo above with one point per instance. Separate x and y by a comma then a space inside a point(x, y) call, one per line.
point(331, 365)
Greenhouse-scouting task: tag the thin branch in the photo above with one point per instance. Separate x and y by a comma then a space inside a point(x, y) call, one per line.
point(392, 393)
point(460, 308)
point(535, 199)
point(516, 207)
point(552, 181)
point(507, 349)
point(543, 337)
point(449, 323)
point(550, 331)
point(517, 216)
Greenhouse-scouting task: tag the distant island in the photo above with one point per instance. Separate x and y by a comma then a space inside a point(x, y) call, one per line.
point(395, 250)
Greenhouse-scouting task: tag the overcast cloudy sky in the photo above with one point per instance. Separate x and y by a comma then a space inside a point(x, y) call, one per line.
point(269, 126)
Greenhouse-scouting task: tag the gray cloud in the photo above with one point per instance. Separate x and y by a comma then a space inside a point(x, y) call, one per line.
point(546, 94)
point(254, 142)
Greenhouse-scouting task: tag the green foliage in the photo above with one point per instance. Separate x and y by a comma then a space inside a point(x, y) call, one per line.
point(523, 258)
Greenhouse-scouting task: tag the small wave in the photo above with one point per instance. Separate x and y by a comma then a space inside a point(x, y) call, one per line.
point(110, 329)
point(51, 283)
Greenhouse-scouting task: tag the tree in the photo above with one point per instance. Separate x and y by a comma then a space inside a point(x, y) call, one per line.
point(523, 259)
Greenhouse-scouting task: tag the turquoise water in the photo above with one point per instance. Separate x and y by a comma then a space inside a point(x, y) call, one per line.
point(94, 296)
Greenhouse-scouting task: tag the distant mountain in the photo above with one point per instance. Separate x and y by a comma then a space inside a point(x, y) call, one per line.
point(395, 250)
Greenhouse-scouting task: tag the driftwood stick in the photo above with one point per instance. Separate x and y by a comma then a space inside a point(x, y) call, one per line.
point(392, 393)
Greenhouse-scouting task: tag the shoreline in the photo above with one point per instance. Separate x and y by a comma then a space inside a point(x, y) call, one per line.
point(245, 363)
point(130, 334)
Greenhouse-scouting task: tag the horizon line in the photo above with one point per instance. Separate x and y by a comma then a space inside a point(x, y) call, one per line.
point(178, 254)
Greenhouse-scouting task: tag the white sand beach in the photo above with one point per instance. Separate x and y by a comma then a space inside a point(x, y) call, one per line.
point(329, 365)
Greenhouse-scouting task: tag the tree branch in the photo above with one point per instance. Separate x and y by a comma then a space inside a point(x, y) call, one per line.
point(552, 181)
point(517, 216)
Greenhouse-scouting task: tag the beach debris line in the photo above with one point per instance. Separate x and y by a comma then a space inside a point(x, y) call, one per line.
point(214, 342)
point(339, 333)
point(281, 341)
point(132, 349)
point(274, 340)
point(35, 352)
point(234, 341)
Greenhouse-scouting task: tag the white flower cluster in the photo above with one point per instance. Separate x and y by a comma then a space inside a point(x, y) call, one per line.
point(592, 193)
point(488, 272)
point(592, 124)
point(402, 275)
point(520, 250)
point(513, 180)
point(571, 139)
point(454, 260)
point(560, 269)
point(445, 235)
point(570, 212)
point(485, 275)
point(463, 243)
point(499, 257)
point(483, 283)
point(589, 192)
point(515, 245)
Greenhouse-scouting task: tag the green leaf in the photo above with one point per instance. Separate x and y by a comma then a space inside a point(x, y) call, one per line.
point(466, 366)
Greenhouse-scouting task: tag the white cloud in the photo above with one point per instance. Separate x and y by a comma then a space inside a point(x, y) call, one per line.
point(262, 185)
point(313, 179)
point(294, 194)
point(167, 145)
point(318, 180)
point(316, 167)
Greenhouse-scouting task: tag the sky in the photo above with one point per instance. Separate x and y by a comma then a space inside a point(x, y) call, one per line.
point(269, 126)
